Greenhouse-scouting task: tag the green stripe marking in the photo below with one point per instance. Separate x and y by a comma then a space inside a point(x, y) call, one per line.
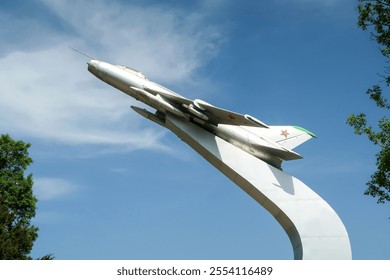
point(305, 130)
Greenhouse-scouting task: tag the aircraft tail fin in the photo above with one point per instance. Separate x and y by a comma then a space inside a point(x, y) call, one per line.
point(290, 136)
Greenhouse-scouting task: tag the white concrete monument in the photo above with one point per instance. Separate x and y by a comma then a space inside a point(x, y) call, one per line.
point(314, 228)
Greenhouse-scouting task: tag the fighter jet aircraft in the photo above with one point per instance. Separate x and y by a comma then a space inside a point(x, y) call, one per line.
point(272, 144)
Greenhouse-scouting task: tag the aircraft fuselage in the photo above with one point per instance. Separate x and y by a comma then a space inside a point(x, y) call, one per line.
point(165, 101)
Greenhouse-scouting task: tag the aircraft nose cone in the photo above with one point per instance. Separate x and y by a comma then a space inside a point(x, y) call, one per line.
point(93, 67)
point(93, 63)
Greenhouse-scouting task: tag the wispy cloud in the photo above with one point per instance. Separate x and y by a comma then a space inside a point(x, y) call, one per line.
point(168, 44)
point(53, 188)
point(48, 94)
point(45, 95)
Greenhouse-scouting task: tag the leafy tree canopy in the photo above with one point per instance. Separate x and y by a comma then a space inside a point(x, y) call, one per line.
point(17, 202)
point(375, 16)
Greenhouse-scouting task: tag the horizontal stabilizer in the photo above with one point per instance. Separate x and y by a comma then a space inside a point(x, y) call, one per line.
point(283, 154)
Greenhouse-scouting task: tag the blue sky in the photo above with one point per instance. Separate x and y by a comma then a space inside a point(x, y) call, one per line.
point(112, 185)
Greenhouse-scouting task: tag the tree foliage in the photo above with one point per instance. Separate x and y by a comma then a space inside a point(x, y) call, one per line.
point(375, 15)
point(17, 202)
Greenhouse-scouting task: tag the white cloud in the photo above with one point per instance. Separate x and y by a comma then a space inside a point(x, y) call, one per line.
point(166, 44)
point(53, 188)
point(47, 93)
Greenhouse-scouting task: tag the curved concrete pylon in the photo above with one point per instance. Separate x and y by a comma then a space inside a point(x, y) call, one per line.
point(314, 228)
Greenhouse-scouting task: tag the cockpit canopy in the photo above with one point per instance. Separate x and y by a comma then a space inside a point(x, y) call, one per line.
point(133, 71)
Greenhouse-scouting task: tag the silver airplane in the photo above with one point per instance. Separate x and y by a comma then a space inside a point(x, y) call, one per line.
point(272, 144)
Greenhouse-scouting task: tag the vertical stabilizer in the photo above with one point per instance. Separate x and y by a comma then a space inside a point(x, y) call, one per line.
point(292, 136)
point(286, 136)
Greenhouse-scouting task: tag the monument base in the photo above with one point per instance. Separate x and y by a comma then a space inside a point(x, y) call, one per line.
point(314, 228)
